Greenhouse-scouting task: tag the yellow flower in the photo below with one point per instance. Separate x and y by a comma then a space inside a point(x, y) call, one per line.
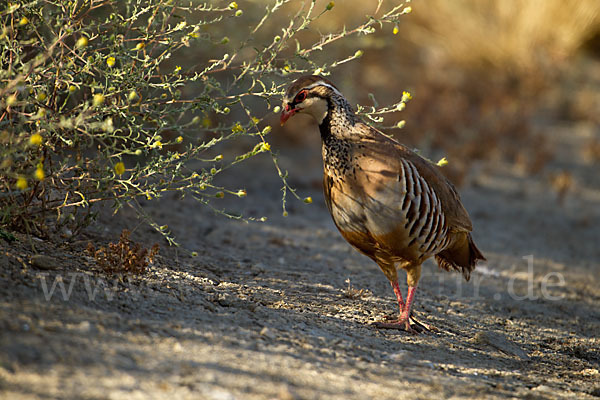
point(401, 124)
point(241, 193)
point(442, 162)
point(406, 96)
point(265, 147)
point(23, 21)
point(39, 173)
point(396, 30)
point(233, 5)
point(35, 139)
point(140, 46)
point(11, 100)
point(82, 41)
point(157, 144)
point(119, 168)
point(237, 128)
point(98, 99)
point(132, 96)
point(21, 183)
point(219, 157)
point(72, 88)
point(308, 200)
point(179, 139)
point(110, 61)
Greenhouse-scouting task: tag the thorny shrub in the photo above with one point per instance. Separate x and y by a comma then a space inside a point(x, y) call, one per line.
point(105, 100)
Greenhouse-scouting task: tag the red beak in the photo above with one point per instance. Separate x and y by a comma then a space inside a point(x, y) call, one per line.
point(287, 113)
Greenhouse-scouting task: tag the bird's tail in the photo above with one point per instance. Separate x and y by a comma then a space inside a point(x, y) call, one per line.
point(462, 256)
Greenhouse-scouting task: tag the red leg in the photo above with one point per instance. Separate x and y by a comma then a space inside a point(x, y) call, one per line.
point(400, 300)
point(396, 288)
point(405, 322)
point(405, 315)
point(409, 300)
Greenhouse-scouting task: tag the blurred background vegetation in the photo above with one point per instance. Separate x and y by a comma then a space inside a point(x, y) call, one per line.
point(109, 100)
point(490, 80)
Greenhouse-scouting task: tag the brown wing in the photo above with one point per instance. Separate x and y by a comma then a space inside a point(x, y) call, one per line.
point(455, 213)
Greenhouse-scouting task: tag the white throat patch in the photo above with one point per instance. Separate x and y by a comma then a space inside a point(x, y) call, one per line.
point(315, 106)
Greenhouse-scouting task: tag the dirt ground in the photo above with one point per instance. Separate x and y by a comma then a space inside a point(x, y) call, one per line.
point(283, 309)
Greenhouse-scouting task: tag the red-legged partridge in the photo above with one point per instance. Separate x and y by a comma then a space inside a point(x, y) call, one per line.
point(388, 202)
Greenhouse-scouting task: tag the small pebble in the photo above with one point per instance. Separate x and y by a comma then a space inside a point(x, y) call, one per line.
point(266, 332)
point(41, 261)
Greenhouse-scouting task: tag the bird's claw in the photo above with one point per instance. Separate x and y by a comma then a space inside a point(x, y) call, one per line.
point(410, 325)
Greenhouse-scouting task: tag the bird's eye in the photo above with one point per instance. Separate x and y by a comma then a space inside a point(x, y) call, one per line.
point(301, 96)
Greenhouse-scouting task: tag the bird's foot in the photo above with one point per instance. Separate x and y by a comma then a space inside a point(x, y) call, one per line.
point(399, 325)
point(410, 325)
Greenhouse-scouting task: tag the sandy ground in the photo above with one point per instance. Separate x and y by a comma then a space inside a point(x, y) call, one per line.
point(282, 309)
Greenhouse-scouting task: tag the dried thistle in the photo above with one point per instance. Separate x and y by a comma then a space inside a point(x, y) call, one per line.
point(124, 256)
point(352, 293)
